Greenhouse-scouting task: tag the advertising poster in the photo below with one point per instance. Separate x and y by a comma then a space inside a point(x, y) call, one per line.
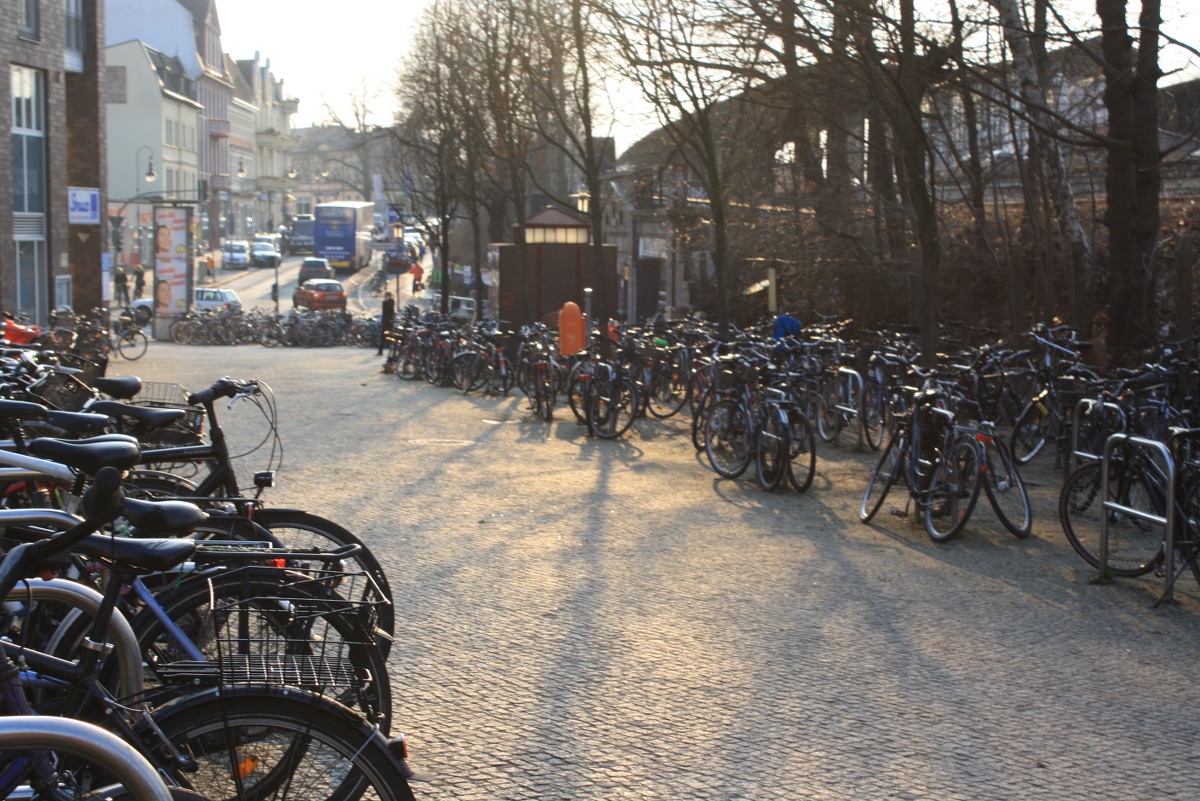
point(171, 269)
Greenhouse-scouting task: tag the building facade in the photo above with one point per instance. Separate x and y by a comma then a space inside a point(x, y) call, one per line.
point(51, 248)
point(153, 139)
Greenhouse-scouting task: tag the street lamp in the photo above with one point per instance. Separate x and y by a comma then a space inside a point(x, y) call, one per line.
point(150, 175)
point(241, 173)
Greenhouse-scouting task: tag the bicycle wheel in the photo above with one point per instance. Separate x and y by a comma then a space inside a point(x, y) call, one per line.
point(872, 413)
point(773, 449)
point(257, 743)
point(1005, 489)
point(727, 438)
point(462, 371)
point(829, 419)
point(1134, 546)
point(802, 461)
point(700, 417)
point(953, 491)
point(612, 409)
point(409, 362)
point(882, 479)
point(669, 387)
point(1033, 427)
point(132, 344)
point(263, 623)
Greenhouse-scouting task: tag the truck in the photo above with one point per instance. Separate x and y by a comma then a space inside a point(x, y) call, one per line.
point(342, 233)
point(300, 237)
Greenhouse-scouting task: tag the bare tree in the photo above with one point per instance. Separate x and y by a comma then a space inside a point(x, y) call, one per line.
point(430, 136)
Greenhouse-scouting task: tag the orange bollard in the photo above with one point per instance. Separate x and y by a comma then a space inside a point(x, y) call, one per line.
point(571, 332)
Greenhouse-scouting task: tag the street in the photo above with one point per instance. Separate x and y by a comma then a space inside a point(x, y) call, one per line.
point(253, 285)
point(582, 619)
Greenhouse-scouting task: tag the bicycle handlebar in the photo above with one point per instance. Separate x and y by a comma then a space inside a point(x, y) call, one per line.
point(224, 388)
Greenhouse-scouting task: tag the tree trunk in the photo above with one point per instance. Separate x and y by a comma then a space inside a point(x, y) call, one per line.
point(1080, 260)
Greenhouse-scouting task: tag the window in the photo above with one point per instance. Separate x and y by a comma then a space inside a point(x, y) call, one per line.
point(29, 188)
point(76, 26)
point(28, 142)
point(27, 19)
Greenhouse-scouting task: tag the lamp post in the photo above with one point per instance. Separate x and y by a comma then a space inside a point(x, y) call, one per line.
point(150, 176)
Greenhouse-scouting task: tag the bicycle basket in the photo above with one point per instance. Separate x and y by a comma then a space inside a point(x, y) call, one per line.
point(62, 391)
point(306, 629)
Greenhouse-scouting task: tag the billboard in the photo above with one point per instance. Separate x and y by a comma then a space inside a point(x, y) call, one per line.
point(172, 273)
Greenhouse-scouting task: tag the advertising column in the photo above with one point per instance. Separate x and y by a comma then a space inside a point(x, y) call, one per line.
point(172, 267)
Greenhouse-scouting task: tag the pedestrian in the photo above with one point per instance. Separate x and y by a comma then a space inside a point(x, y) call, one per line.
point(121, 283)
point(387, 317)
point(139, 283)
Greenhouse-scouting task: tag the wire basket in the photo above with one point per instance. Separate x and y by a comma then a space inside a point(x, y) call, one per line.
point(162, 395)
point(313, 628)
point(62, 391)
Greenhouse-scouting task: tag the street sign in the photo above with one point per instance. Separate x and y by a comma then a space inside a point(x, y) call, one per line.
point(83, 206)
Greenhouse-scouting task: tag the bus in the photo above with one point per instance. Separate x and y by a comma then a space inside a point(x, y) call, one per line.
point(300, 237)
point(342, 234)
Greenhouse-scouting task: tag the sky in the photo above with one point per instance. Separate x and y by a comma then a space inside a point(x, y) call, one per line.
point(325, 51)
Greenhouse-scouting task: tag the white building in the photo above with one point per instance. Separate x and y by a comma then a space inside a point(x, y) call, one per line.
point(153, 120)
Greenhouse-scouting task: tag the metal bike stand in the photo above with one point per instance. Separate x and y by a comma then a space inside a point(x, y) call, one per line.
point(854, 383)
point(1176, 435)
point(1168, 521)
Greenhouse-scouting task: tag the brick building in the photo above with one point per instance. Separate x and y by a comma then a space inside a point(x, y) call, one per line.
point(54, 115)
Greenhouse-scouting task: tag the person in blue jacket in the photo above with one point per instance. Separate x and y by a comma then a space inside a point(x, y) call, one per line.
point(786, 326)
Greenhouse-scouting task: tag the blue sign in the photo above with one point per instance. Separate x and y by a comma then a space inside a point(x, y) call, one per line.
point(83, 206)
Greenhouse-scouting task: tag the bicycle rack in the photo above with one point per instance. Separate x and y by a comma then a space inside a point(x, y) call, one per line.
point(1168, 521)
point(855, 385)
point(1177, 435)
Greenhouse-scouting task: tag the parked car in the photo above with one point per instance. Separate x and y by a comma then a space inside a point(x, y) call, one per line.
point(462, 309)
point(203, 298)
point(236, 255)
point(320, 293)
point(313, 267)
point(264, 254)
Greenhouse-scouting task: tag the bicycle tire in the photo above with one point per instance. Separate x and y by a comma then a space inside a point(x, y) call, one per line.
point(612, 409)
point(872, 413)
point(265, 615)
point(408, 362)
point(1006, 489)
point(1131, 551)
point(772, 450)
point(802, 461)
point(727, 439)
point(829, 419)
point(256, 743)
point(953, 491)
point(1033, 427)
point(578, 396)
point(700, 417)
point(669, 389)
point(132, 344)
point(891, 462)
point(462, 371)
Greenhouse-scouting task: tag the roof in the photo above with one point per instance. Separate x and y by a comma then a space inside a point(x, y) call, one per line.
point(553, 217)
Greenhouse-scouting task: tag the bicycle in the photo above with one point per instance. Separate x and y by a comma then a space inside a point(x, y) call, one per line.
point(940, 469)
point(224, 741)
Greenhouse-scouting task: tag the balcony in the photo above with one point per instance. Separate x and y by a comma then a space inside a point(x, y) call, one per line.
point(219, 128)
point(289, 105)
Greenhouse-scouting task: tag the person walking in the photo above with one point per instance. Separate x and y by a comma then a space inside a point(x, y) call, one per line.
point(139, 283)
point(121, 284)
point(387, 317)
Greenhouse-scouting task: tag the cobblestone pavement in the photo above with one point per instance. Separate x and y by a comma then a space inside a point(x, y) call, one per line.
point(598, 620)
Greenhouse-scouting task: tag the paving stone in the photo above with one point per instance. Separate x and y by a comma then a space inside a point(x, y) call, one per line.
point(592, 620)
